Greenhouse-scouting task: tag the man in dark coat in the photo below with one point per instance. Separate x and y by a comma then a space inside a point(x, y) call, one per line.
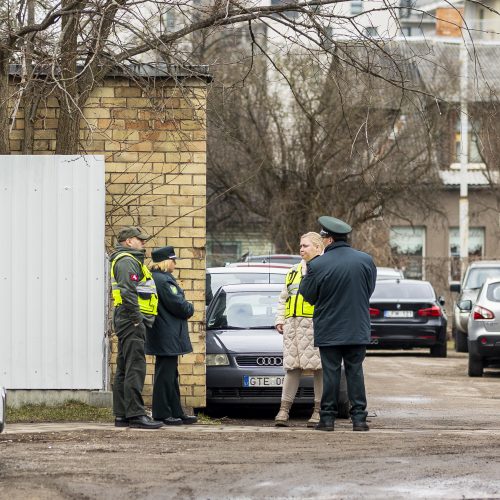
point(168, 338)
point(339, 284)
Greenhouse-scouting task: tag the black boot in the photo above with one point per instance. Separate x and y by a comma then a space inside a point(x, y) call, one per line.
point(144, 422)
point(325, 424)
point(360, 426)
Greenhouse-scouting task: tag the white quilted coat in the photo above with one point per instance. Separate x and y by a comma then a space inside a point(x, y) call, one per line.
point(298, 339)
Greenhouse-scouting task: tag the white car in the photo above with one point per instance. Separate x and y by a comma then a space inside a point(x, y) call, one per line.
point(483, 327)
point(389, 273)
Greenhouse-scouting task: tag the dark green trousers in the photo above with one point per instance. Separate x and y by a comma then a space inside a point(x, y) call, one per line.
point(331, 360)
point(166, 392)
point(130, 372)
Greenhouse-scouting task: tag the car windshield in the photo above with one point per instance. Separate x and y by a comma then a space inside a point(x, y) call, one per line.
point(401, 290)
point(244, 310)
point(218, 280)
point(478, 275)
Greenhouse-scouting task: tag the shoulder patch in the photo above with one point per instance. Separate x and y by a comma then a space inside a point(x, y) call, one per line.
point(134, 277)
point(174, 289)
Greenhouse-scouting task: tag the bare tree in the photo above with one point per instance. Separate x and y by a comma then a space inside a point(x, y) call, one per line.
point(342, 142)
point(64, 48)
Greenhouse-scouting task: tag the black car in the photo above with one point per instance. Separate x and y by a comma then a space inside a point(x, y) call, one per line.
point(406, 313)
point(245, 352)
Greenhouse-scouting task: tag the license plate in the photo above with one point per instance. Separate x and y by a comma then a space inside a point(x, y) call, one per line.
point(398, 314)
point(263, 381)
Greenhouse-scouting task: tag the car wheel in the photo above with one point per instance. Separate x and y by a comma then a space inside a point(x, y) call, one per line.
point(461, 342)
point(476, 366)
point(439, 350)
point(344, 407)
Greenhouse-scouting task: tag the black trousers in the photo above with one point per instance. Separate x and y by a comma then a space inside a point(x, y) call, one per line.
point(166, 392)
point(331, 359)
point(130, 372)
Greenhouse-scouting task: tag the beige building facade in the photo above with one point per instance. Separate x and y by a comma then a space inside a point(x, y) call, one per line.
point(152, 133)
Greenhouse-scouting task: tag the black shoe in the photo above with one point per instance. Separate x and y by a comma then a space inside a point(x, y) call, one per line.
point(172, 421)
point(188, 419)
point(325, 425)
point(144, 422)
point(121, 422)
point(360, 426)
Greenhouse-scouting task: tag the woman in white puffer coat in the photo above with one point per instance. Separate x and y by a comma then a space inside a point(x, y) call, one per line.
point(294, 322)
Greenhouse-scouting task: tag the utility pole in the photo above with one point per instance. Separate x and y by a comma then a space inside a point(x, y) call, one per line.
point(464, 148)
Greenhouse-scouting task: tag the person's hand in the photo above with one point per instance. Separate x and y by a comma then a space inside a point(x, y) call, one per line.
point(279, 327)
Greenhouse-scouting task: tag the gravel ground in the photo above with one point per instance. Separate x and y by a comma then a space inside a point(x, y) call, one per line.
point(435, 433)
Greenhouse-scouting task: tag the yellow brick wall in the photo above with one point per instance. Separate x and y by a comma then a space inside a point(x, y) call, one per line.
point(154, 143)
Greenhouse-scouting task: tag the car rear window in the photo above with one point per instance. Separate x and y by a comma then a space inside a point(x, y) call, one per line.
point(222, 279)
point(242, 310)
point(478, 275)
point(403, 290)
point(493, 292)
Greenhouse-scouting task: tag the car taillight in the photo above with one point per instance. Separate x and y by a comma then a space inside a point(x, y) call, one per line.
point(482, 313)
point(374, 312)
point(429, 312)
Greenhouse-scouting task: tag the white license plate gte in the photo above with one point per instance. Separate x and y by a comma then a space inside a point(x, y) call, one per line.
point(263, 381)
point(398, 314)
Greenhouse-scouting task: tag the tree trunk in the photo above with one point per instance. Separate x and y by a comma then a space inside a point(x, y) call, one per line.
point(4, 101)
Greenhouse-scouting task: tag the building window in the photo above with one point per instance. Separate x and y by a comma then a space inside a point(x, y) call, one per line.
point(356, 7)
point(407, 250)
point(474, 143)
point(405, 8)
point(371, 31)
point(168, 21)
point(291, 14)
point(476, 248)
point(222, 252)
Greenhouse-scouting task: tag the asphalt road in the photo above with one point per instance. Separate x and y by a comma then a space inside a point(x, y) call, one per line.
point(435, 433)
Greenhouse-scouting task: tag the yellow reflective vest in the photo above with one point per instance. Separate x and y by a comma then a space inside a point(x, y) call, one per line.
point(147, 295)
point(295, 303)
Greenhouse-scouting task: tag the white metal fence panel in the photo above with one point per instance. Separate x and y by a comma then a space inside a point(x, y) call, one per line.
point(52, 282)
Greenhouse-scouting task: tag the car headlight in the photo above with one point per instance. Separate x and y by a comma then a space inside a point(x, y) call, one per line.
point(217, 360)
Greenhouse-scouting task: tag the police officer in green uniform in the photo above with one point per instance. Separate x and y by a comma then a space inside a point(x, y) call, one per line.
point(136, 305)
point(339, 284)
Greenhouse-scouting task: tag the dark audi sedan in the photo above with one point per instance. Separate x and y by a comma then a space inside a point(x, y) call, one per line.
point(245, 352)
point(405, 314)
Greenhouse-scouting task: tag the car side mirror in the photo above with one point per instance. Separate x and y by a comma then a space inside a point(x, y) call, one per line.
point(441, 301)
point(455, 287)
point(465, 305)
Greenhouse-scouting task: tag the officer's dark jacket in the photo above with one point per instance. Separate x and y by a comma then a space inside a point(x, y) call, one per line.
point(169, 336)
point(126, 267)
point(339, 284)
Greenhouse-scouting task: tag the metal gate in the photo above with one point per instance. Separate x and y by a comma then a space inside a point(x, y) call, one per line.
point(52, 277)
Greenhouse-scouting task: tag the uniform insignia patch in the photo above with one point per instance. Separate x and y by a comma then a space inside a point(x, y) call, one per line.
point(174, 289)
point(134, 277)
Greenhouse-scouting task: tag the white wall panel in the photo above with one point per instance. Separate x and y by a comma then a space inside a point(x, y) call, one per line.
point(52, 283)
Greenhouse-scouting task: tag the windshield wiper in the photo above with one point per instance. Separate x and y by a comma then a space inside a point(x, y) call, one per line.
point(260, 328)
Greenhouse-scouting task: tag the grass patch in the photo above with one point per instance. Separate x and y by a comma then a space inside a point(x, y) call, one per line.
point(206, 420)
point(71, 411)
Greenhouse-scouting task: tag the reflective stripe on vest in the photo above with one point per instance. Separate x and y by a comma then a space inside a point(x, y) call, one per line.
point(147, 296)
point(295, 303)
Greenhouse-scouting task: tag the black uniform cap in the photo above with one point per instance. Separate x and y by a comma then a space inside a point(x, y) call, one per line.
point(165, 253)
point(330, 226)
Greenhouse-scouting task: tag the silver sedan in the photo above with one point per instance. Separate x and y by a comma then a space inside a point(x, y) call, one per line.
point(484, 328)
